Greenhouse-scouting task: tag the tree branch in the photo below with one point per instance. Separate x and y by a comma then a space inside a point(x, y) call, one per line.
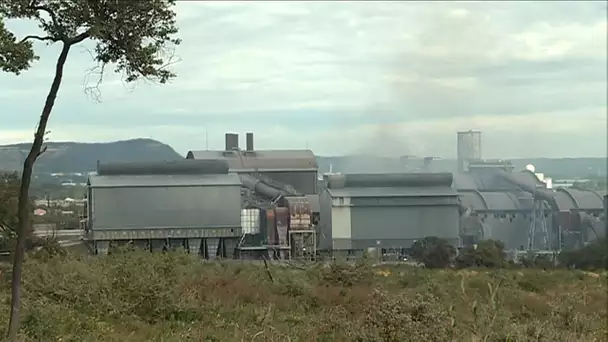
point(49, 11)
point(41, 151)
point(47, 38)
point(79, 38)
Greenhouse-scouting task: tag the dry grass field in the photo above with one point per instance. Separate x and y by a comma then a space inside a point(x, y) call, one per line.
point(138, 296)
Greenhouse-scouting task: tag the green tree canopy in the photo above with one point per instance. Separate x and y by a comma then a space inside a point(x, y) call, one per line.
point(433, 252)
point(134, 36)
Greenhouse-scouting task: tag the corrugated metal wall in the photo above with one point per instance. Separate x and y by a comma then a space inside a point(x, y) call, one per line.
point(166, 207)
point(400, 226)
point(304, 182)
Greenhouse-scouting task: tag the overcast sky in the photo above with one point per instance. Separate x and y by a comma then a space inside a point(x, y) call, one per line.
point(391, 78)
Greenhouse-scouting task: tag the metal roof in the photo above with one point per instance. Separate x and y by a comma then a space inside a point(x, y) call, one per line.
point(393, 192)
point(464, 181)
point(569, 198)
point(494, 200)
point(126, 181)
point(264, 160)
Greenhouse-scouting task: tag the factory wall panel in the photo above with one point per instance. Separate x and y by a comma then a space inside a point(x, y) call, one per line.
point(166, 207)
point(304, 182)
point(325, 233)
point(341, 218)
point(404, 223)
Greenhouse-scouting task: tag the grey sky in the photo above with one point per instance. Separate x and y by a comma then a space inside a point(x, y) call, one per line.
point(384, 77)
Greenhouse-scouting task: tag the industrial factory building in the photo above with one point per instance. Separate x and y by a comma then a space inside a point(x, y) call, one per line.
point(520, 208)
point(194, 205)
point(296, 168)
point(388, 211)
point(254, 203)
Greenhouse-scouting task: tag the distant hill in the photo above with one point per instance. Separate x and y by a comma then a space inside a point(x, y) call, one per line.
point(74, 157)
point(70, 157)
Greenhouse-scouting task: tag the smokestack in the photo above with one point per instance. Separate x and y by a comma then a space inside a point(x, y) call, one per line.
point(232, 141)
point(250, 141)
point(427, 163)
point(468, 148)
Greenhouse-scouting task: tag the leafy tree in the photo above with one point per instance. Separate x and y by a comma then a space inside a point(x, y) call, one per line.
point(487, 253)
point(134, 36)
point(433, 252)
point(9, 198)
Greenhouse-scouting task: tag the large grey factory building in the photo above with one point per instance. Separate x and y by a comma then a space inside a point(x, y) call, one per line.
point(258, 202)
point(387, 211)
point(194, 205)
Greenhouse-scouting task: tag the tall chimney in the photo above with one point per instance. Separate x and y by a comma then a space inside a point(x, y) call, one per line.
point(249, 141)
point(232, 141)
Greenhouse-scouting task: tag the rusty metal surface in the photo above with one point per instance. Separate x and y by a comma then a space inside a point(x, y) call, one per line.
point(299, 212)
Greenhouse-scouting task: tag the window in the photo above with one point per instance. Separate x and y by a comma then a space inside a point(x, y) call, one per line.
point(341, 200)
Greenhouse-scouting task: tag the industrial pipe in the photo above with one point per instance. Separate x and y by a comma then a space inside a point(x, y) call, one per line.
point(177, 167)
point(252, 183)
point(539, 193)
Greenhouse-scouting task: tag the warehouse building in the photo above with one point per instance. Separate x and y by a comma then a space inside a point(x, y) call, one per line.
point(193, 204)
point(388, 211)
point(296, 168)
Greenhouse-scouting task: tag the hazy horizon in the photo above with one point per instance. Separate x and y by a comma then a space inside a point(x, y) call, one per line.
point(342, 78)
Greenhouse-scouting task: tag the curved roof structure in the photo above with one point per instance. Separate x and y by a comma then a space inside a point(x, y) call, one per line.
point(489, 201)
point(263, 160)
point(568, 199)
point(464, 181)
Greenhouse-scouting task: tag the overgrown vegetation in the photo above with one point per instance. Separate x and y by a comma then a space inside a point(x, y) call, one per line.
point(138, 296)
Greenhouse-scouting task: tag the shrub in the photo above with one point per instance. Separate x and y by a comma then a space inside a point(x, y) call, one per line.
point(488, 253)
point(433, 252)
point(592, 256)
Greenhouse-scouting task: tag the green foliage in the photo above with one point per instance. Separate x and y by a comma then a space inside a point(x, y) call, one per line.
point(590, 257)
point(9, 200)
point(9, 197)
point(15, 56)
point(433, 252)
point(487, 253)
point(132, 35)
point(141, 296)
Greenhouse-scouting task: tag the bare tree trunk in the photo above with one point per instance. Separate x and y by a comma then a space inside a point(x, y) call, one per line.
point(23, 211)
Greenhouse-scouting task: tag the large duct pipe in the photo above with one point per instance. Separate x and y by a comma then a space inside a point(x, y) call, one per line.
point(539, 193)
point(249, 141)
point(178, 167)
point(260, 187)
point(232, 141)
point(371, 180)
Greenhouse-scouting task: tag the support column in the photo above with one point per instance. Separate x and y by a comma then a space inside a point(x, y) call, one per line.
point(194, 246)
point(102, 247)
point(230, 246)
point(212, 245)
